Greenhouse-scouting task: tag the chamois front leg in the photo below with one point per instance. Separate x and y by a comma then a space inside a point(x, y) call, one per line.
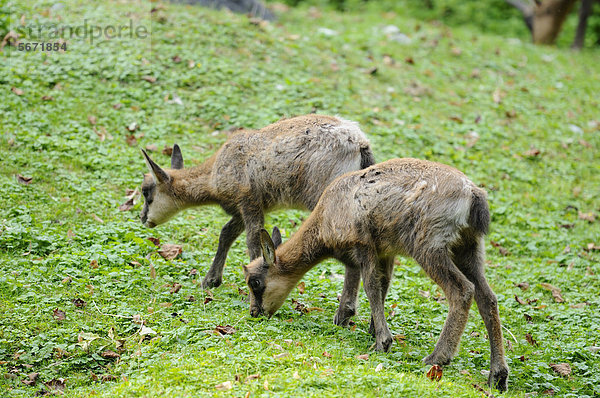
point(372, 274)
point(347, 308)
point(254, 220)
point(229, 233)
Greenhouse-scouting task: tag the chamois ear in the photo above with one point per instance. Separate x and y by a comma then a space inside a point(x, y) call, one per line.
point(276, 237)
point(267, 247)
point(176, 158)
point(158, 174)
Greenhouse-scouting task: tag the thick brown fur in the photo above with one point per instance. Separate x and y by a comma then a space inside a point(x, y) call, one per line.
point(286, 164)
point(426, 210)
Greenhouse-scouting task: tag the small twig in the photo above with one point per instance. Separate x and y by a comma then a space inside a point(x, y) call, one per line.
point(513, 336)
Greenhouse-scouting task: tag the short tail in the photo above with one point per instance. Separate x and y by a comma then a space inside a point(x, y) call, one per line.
point(366, 157)
point(479, 216)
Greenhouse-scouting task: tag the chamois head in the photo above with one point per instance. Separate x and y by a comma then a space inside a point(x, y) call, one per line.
point(266, 298)
point(159, 203)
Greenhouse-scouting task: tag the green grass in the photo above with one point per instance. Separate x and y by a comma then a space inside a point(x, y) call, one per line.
point(427, 99)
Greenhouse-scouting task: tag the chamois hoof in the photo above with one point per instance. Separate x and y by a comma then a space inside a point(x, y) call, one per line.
point(434, 359)
point(384, 344)
point(499, 379)
point(211, 281)
point(343, 316)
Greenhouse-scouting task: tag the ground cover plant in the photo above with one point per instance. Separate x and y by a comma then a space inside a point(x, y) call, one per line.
point(90, 306)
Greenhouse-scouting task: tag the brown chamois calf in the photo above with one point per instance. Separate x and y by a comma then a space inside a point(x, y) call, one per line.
point(286, 164)
point(422, 209)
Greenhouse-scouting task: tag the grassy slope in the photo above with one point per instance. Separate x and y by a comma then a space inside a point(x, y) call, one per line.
point(249, 75)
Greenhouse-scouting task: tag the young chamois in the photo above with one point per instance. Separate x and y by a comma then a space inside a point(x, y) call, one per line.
point(286, 164)
point(417, 208)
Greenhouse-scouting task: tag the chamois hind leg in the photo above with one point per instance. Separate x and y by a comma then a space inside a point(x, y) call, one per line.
point(469, 258)
point(254, 221)
point(347, 308)
point(386, 265)
point(229, 233)
point(372, 275)
point(459, 293)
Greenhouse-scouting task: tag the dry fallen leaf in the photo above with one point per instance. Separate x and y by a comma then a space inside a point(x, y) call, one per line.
point(563, 369)
point(226, 385)
point(152, 148)
point(379, 367)
point(252, 377)
point(24, 180)
point(167, 150)
point(131, 140)
point(17, 91)
point(592, 247)
point(497, 95)
point(92, 119)
point(152, 272)
point(364, 357)
point(301, 287)
point(109, 354)
point(56, 384)
point(98, 219)
point(531, 340)
point(132, 127)
point(170, 251)
point(77, 302)
point(523, 285)
point(227, 329)
point(148, 78)
point(31, 379)
point(47, 98)
point(128, 205)
point(503, 251)
point(532, 152)
point(282, 355)
point(435, 373)
point(555, 291)
point(176, 287)
point(59, 314)
point(154, 240)
point(590, 217)
point(520, 300)
point(326, 354)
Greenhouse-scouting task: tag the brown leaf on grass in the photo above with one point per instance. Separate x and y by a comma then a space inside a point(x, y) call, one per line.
point(152, 148)
point(31, 379)
point(223, 330)
point(56, 384)
point(176, 59)
point(128, 205)
point(176, 288)
point(148, 78)
point(11, 38)
point(152, 272)
point(47, 98)
point(326, 354)
point(435, 373)
point(117, 106)
point(301, 287)
point(170, 251)
point(589, 217)
point(528, 317)
point(225, 386)
point(563, 369)
point(503, 251)
point(300, 307)
point(17, 91)
point(409, 60)
point(59, 314)
point(255, 376)
point(399, 338)
point(132, 127)
point(282, 355)
point(98, 219)
point(497, 95)
point(242, 292)
point(523, 286)
point(424, 293)
point(101, 134)
point(167, 150)
point(67, 279)
point(94, 264)
point(532, 152)
point(131, 140)
point(531, 340)
point(156, 241)
point(109, 354)
point(415, 89)
point(456, 51)
point(207, 300)
point(79, 303)
point(555, 291)
point(24, 180)
point(520, 300)
point(92, 119)
point(456, 119)
point(592, 247)
point(363, 357)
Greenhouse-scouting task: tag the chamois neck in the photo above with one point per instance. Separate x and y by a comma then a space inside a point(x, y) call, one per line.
point(192, 185)
point(301, 252)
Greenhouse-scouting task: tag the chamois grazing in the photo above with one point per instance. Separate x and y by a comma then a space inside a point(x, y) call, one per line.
point(286, 164)
point(426, 210)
